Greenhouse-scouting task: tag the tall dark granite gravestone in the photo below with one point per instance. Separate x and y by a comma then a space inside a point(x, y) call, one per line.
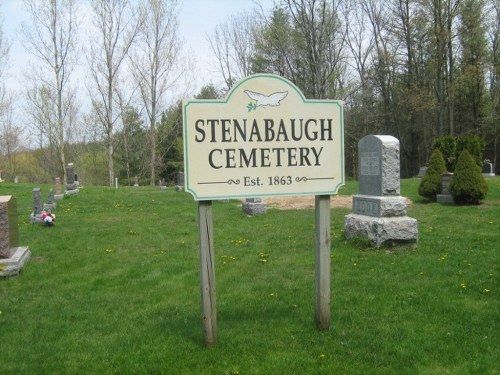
point(379, 211)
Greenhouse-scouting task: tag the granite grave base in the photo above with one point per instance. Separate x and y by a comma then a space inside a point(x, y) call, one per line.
point(254, 207)
point(382, 229)
point(13, 265)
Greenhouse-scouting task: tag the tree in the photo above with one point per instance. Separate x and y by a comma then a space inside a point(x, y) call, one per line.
point(133, 150)
point(468, 185)
point(232, 44)
point(471, 79)
point(448, 147)
point(154, 65)
point(322, 40)
point(51, 37)
point(430, 185)
point(117, 25)
point(494, 76)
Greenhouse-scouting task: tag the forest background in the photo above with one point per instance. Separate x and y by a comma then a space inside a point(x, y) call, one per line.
point(414, 69)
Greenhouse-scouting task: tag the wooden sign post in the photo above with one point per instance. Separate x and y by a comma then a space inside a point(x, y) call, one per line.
point(263, 139)
point(207, 272)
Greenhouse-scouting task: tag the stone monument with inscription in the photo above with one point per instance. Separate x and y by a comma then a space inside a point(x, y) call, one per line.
point(58, 195)
point(445, 196)
point(71, 183)
point(379, 211)
point(36, 215)
point(12, 256)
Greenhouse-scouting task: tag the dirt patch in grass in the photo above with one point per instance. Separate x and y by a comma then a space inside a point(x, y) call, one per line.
point(307, 201)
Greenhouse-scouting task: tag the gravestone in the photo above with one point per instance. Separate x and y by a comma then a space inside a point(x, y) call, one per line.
point(136, 181)
point(12, 257)
point(71, 183)
point(36, 215)
point(180, 181)
point(379, 211)
point(445, 196)
point(488, 169)
point(58, 195)
point(163, 185)
point(254, 206)
point(421, 172)
point(51, 204)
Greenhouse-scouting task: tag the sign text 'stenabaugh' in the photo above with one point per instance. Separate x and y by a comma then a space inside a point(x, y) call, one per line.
point(263, 139)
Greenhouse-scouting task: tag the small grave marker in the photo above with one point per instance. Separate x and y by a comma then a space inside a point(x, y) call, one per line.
point(50, 205)
point(445, 196)
point(488, 169)
point(71, 182)
point(36, 215)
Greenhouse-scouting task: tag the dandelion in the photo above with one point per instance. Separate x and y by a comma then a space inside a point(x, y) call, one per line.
point(322, 356)
point(463, 285)
point(108, 250)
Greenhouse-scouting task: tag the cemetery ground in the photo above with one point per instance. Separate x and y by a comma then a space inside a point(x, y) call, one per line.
point(113, 288)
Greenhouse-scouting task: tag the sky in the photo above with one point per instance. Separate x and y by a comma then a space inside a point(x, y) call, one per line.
point(197, 19)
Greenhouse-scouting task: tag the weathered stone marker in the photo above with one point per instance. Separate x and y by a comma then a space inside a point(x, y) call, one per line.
point(488, 169)
point(180, 182)
point(379, 212)
point(58, 195)
point(254, 206)
point(445, 196)
point(263, 139)
point(12, 257)
point(71, 183)
point(51, 204)
point(36, 215)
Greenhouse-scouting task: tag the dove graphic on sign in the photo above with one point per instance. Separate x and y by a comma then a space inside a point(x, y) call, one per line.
point(262, 100)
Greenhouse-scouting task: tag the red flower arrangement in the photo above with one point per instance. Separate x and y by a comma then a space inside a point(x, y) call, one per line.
point(48, 218)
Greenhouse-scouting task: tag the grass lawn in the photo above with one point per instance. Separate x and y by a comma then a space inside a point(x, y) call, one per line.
point(113, 288)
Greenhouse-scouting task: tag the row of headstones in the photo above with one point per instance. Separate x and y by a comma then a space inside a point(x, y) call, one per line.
point(39, 208)
point(163, 184)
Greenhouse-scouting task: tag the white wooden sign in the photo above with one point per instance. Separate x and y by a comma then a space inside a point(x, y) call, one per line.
point(263, 139)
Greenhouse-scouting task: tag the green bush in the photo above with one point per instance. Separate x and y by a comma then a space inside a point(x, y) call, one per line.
point(474, 144)
point(431, 181)
point(468, 185)
point(448, 147)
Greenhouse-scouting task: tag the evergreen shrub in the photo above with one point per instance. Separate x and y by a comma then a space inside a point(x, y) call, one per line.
point(468, 185)
point(474, 144)
point(430, 185)
point(448, 147)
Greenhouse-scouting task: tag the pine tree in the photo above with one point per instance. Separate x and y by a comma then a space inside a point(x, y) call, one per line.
point(468, 185)
point(431, 182)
